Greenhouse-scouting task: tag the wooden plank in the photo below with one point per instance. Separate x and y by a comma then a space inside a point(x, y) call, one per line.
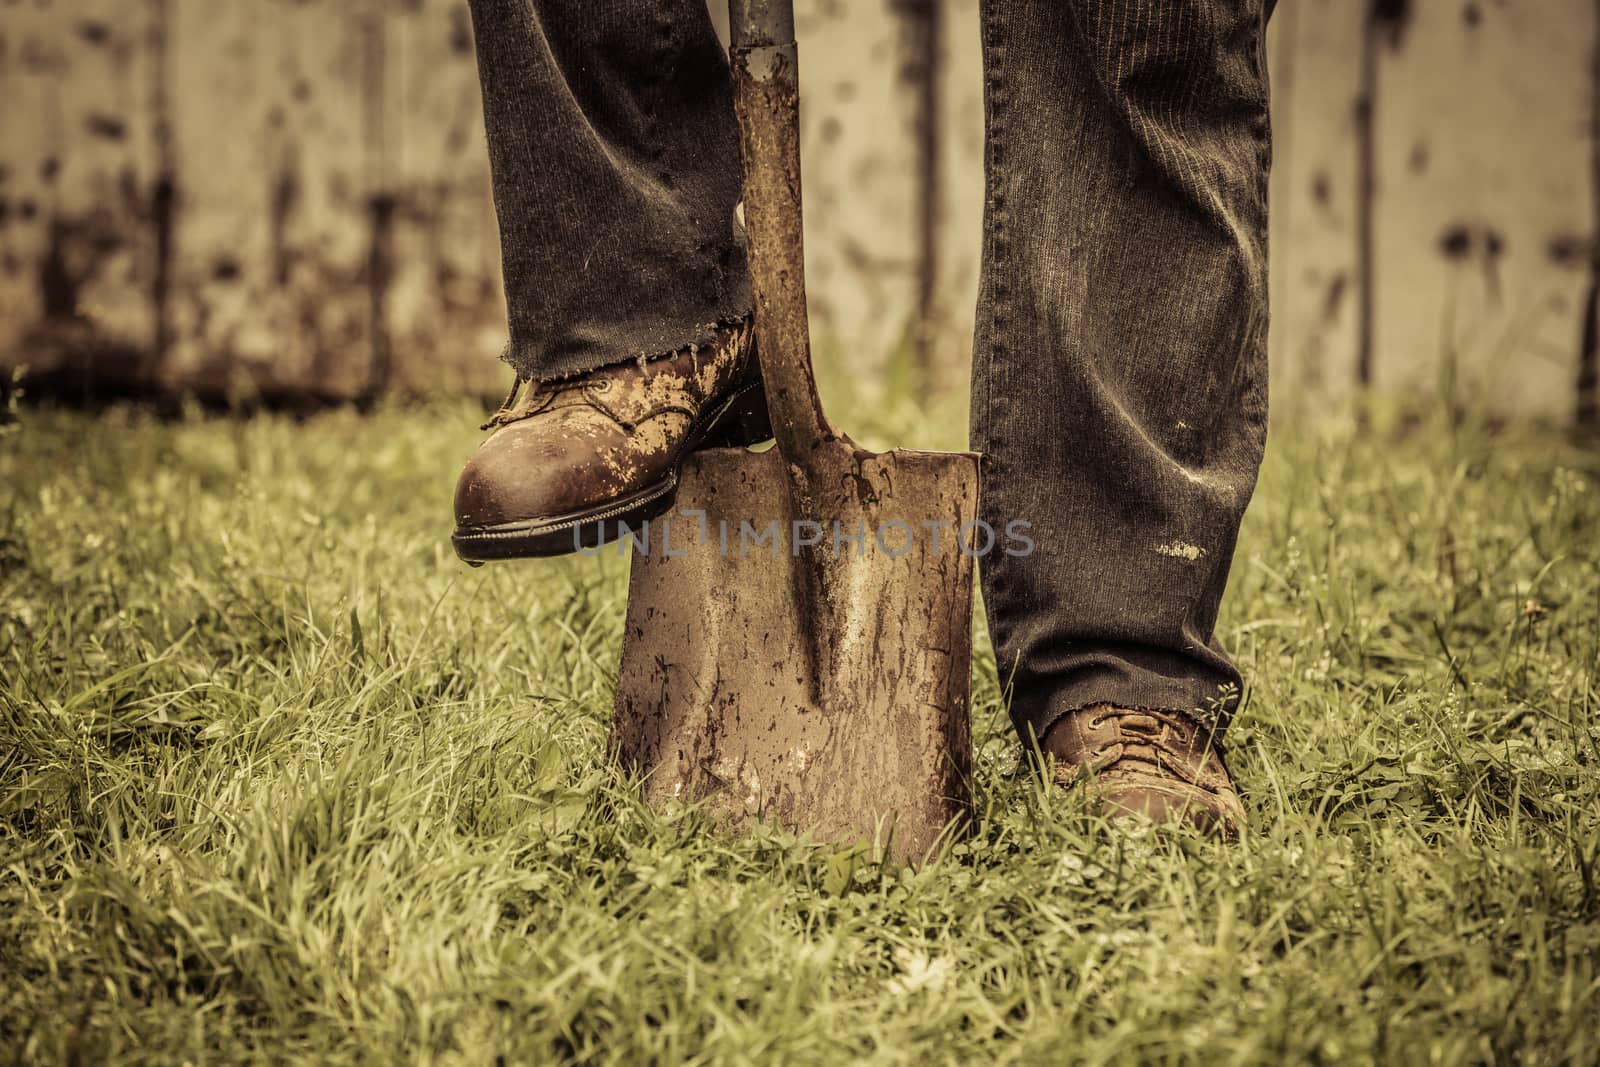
point(1484, 154)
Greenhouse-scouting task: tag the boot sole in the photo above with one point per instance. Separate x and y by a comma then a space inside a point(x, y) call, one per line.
point(740, 421)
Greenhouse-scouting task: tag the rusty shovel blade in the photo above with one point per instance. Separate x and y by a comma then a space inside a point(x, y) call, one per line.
point(842, 713)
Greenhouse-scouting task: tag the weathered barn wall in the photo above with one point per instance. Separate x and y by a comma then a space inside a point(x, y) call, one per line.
point(1479, 212)
point(292, 195)
point(268, 194)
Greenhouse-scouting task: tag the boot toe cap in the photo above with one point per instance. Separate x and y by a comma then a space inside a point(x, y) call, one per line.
point(532, 471)
point(516, 476)
point(1168, 802)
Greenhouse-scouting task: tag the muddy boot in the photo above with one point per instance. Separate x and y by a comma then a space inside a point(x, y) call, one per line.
point(1158, 764)
point(573, 462)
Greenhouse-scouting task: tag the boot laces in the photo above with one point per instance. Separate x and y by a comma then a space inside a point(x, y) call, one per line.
point(1142, 738)
point(509, 410)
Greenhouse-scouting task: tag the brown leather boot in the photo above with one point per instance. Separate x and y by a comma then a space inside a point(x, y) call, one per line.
point(1159, 764)
point(573, 461)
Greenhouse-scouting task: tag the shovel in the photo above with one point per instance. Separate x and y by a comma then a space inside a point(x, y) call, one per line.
point(798, 636)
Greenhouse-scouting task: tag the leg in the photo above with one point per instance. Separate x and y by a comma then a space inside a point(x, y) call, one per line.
point(1119, 380)
point(615, 159)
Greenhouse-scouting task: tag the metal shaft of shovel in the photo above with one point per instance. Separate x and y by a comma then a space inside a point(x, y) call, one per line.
point(766, 81)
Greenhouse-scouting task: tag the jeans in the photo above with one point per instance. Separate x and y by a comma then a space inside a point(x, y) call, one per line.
point(1119, 368)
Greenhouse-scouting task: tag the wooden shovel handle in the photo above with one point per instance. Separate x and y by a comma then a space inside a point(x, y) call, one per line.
point(767, 99)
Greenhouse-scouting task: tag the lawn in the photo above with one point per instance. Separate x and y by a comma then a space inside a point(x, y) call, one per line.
point(281, 779)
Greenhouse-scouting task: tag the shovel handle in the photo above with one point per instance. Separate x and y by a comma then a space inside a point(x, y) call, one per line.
point(767, 100)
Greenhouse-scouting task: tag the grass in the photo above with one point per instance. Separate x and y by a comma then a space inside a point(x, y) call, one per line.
point(280, 779)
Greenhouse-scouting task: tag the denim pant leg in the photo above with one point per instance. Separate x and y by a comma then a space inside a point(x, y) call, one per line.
point(615, 160)
point(1119, 379)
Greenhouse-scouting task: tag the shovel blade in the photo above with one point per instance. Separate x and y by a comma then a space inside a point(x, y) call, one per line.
point(843, 715)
